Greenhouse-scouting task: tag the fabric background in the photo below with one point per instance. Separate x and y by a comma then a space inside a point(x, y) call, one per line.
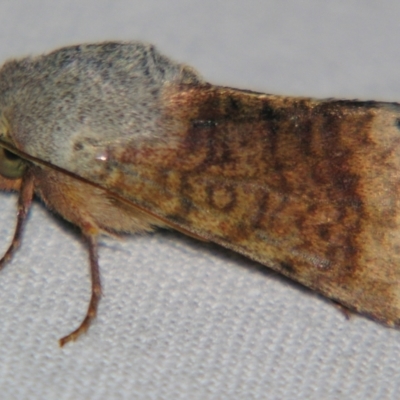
point(181, 319)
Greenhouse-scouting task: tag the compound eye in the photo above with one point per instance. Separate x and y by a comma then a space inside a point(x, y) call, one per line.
point(11, 166)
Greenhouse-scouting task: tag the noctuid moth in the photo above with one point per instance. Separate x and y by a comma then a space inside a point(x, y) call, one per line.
point(116, 137)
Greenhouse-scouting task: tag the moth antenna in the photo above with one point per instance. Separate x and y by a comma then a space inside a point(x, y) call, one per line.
point(91, 313)
point(24, 204)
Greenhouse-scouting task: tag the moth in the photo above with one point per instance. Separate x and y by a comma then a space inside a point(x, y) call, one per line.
point(116, 137)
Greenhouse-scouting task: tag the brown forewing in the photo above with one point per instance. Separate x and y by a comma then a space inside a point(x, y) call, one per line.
point(306, 187)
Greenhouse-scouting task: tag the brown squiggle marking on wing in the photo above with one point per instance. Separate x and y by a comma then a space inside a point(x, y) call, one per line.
point(221, 196)
point(255, 164)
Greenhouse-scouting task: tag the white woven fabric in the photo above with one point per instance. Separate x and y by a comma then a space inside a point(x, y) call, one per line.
point(181, 319)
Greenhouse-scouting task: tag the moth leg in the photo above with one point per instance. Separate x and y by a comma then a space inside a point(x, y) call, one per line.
point(91, 239)
point(343, 309)
point(24, 204)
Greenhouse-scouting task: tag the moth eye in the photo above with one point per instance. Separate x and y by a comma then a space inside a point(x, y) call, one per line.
point(11, 166)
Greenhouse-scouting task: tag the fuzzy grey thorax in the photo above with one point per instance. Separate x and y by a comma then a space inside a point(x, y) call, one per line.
point(86, 97)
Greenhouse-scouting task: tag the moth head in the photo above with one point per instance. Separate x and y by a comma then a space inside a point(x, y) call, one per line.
point(11, 165)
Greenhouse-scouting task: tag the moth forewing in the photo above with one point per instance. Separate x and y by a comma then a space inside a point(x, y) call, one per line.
point(306, 187)
point(118, 138)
